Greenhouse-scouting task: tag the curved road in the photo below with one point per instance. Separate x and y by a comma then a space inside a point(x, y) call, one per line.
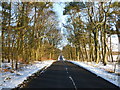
point(63, 74)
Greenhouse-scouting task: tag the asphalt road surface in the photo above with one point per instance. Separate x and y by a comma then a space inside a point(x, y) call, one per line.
point(63, 74)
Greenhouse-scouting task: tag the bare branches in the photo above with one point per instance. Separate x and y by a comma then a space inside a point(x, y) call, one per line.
point(28, 36)
point(89, 36)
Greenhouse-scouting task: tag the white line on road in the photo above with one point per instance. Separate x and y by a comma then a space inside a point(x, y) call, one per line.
point(71, 78)
point(73, 82)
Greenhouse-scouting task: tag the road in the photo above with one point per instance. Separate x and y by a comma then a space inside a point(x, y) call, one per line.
point(63, 74)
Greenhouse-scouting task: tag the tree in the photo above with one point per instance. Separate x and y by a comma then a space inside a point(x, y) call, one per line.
point(27, 36)
point(88, 28)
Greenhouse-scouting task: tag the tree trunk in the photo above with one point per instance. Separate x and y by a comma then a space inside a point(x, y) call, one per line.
point(9, 29)
point(105, 50)
point(96, 47)
point(111, 49)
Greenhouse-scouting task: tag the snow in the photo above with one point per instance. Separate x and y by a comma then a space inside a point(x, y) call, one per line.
point(115, 58)
point(101, 70)
point(114, 42)
point(12, 80)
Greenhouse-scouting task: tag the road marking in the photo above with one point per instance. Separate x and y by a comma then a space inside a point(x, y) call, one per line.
point(71, 78)
point(73, 82)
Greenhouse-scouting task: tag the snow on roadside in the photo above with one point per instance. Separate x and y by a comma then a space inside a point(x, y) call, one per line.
point(111, 77)
point(12, 80)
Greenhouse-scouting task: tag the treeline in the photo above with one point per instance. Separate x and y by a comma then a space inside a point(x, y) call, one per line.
point(29, 32)
point(89, 25)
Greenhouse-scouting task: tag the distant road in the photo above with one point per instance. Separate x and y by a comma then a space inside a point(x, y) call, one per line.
point(63, 74)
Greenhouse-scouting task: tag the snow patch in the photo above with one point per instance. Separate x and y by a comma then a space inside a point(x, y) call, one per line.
point(99, 70)
point(12, 80)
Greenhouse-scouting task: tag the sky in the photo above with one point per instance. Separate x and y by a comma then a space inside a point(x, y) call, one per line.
point(59, 8)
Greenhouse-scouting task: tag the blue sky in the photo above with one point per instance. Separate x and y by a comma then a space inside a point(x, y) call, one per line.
point(59, 8)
